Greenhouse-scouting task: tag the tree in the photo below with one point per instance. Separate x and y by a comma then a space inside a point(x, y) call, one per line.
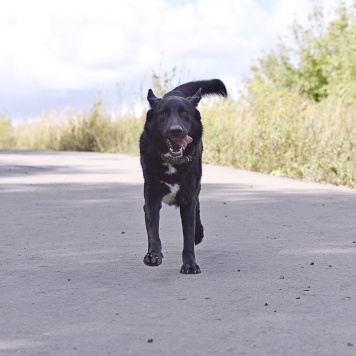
point(318, 61)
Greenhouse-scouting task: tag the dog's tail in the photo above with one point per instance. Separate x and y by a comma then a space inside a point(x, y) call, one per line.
point(208, 87)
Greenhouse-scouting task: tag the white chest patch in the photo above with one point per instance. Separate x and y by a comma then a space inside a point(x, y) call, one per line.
point(170, 197)
point(171, 169)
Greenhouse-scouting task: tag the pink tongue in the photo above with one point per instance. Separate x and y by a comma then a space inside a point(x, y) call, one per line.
point(183, 142)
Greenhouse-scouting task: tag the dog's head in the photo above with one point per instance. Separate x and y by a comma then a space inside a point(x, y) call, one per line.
point(175, 120)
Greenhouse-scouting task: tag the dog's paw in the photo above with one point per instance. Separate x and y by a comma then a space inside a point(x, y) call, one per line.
point(152, 260)
point(190, 268)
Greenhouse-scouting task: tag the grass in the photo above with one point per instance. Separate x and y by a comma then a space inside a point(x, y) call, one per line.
point(94, 131)
point(284, 135)
point(279, 133)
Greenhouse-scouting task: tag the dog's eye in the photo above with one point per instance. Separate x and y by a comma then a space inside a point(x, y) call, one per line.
point(184, 114)
point(163, 113)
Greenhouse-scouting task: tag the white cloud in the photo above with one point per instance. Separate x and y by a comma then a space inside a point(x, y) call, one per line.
point(58, 46)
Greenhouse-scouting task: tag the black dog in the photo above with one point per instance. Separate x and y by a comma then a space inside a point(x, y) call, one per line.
point(171, 159)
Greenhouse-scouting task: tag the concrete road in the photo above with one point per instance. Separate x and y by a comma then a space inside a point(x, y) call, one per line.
point(278, 263)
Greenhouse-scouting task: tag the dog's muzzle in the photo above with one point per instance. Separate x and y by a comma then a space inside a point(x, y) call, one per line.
point(173, 152)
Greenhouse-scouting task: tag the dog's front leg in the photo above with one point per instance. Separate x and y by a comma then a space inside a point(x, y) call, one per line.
point(187, 213)
point(152, 209)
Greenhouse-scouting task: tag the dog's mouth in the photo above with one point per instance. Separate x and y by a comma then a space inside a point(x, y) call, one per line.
point(178, 145)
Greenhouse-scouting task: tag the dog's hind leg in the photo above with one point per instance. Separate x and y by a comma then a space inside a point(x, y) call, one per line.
point(199, 229)
point(152, 209)
point(187, 213)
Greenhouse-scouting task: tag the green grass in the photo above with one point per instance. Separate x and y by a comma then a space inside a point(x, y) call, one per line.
point(278, 133)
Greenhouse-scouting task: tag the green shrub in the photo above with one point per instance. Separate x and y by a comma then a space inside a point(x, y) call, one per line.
point(318, 60)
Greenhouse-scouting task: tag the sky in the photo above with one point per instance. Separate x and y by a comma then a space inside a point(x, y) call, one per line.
point(61, 53)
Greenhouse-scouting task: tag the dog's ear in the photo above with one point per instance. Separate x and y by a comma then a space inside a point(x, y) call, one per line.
point(195, 98)
point(152, 99)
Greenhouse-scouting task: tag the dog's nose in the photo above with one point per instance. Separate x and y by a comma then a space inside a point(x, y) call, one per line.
point(175, 130)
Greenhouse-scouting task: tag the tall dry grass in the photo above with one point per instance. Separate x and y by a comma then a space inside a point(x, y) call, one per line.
point(284, 135)
point(279, 133)
point(94, 130)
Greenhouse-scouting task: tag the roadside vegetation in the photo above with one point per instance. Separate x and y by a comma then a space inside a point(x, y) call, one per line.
point(296, 117)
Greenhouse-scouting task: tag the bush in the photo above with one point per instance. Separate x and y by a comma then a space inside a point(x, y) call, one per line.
point(319, 60)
